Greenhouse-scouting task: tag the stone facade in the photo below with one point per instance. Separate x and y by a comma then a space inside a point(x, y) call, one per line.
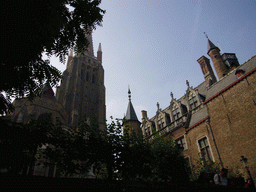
point(215, 120)
point(82, 90)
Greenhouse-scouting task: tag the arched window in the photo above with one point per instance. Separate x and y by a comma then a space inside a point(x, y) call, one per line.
point(87, 76)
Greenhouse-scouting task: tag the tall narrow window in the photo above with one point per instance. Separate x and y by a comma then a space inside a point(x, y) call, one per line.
point(160, 123)
point(87, 76)
point(93, 78)
point(176, 114)
point(193, 103)
point(205, 149)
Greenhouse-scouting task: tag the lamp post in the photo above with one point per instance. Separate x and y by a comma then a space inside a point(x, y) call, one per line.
point(244, 160)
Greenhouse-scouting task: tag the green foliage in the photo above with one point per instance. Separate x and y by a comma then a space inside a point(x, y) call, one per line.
point(112, 155)
point(137, 158)
point(30, 28)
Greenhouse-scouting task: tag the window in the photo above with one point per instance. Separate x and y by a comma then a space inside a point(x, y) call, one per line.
point(87, 76)
point(181, 142)
point(193, 103)
point(176, 114)
point(93, 78)
point(160, 123)
point(147, 131)
point(205, 149)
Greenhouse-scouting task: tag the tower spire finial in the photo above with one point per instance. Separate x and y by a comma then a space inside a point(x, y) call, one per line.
point(129, 93)
point(206, 35)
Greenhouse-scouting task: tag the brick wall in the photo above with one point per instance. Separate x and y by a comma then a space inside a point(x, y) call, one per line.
point(233, 121)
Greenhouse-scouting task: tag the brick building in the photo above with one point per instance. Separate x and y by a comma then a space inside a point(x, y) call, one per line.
point(216, 118)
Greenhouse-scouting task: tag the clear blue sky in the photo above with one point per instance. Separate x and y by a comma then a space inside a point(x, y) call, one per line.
point(153, 46)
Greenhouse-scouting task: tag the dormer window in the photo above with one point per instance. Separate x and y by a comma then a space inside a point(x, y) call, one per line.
point(160, 123)
point(193, 103)
point(176, 114)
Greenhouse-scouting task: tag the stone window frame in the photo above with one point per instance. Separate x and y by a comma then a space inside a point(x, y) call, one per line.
point(182, 144)
point(176, 113)
point(194, 103)
point(191, 93)
point(208, 149)
point(175, 105)
point(160, 123)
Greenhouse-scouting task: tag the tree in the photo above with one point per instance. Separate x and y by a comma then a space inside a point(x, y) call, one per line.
point(74, 149)
point(134, 157)
point(30, 28)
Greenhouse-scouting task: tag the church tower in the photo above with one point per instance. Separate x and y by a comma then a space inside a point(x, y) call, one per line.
point(82, 90)
point(130, 120)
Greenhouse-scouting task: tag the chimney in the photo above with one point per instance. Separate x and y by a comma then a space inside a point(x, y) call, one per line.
point(208, 73)
point(144, 115)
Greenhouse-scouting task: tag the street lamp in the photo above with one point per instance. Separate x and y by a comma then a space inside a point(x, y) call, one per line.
point(244, 160)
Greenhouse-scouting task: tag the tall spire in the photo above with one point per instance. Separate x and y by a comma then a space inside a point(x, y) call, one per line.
point(130, 113)
point(90, 46)
point(99, 53)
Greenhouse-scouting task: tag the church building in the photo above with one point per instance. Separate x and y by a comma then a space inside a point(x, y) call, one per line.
point(81, 94)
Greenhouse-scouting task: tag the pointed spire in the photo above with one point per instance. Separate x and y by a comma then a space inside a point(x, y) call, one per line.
point(88, 35)
point(130, 113)
point(210, 45)
point(99, 49)
point(129, 93)
point(99, 53)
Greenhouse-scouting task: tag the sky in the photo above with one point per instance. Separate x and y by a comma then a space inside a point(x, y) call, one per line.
point(153, 46)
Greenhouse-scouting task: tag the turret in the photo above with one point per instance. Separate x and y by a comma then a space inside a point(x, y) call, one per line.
point(219, 65)
point(224, 63)
point(130, 120)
